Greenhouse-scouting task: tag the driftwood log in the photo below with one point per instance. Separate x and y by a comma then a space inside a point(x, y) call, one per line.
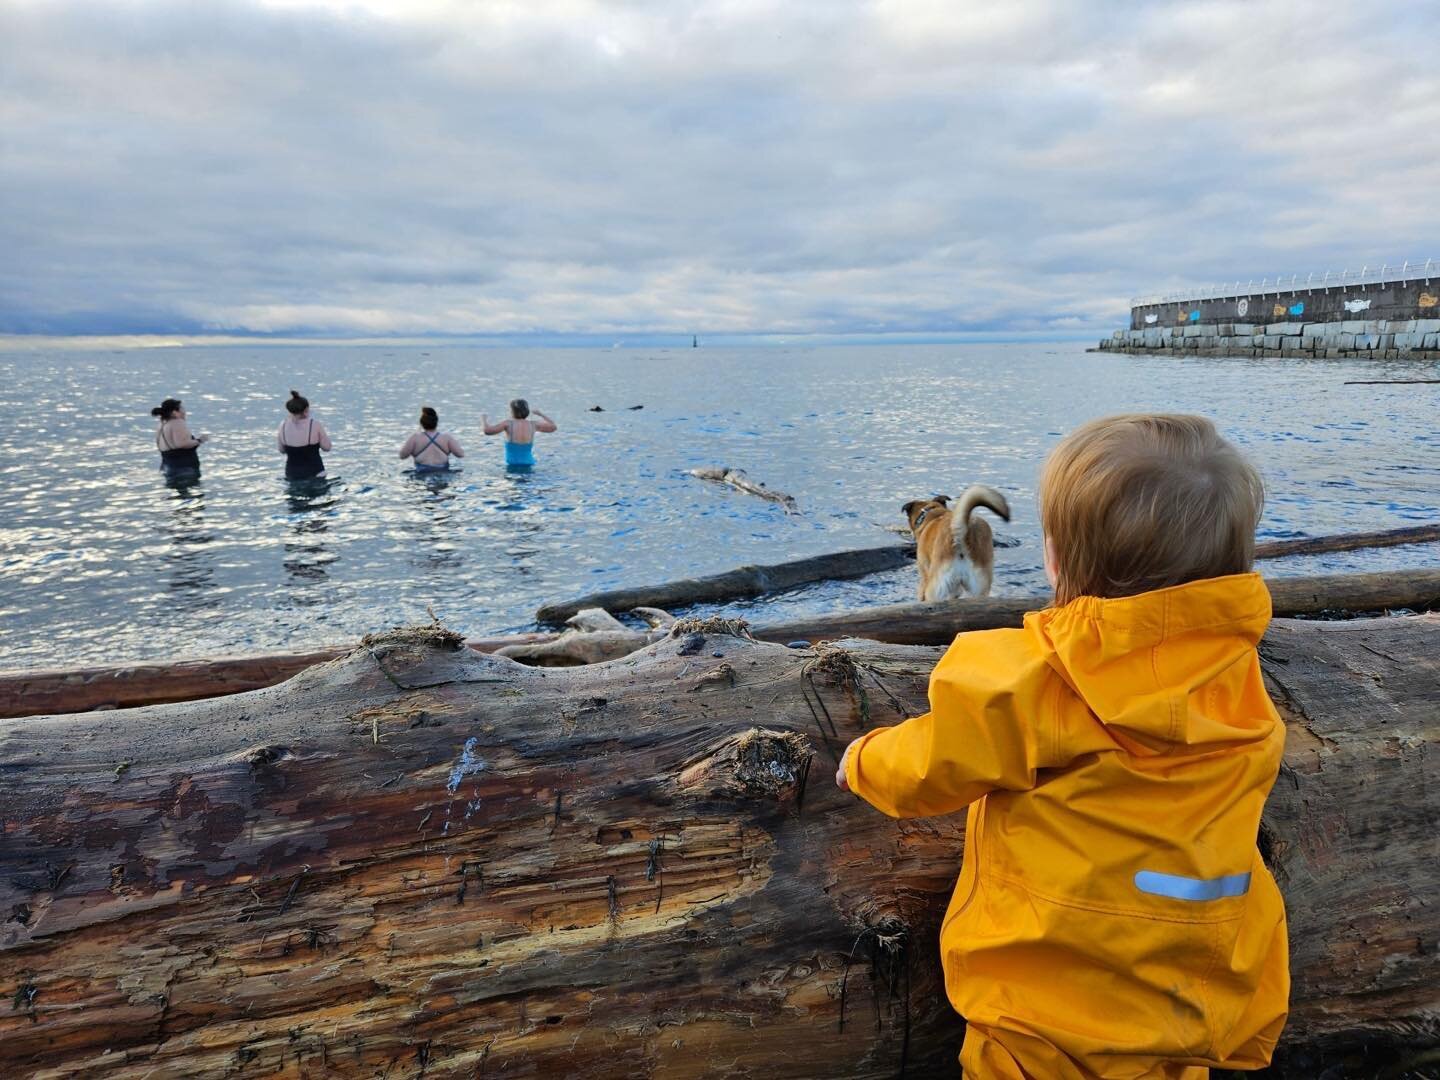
point(594, 637)
point(1322, 545)
point(737, 479)
point(421, 860)
point(937, 623)
point(744, 582)
point(35, 693)
point(749, 581)
point(122, 686)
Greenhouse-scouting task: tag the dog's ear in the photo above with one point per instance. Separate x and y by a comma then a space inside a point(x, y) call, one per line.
point(909, 508)
point(943, 500)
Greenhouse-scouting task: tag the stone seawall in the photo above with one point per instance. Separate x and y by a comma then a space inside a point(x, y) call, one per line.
point(1376, 339)
point(1379, 301)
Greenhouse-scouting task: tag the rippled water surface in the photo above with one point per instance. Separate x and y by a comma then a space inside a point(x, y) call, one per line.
point(101, 561)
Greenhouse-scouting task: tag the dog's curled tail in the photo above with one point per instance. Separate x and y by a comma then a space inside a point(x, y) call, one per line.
point(980, 495)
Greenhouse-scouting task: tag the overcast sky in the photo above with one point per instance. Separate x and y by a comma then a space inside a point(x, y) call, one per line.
point(407, 166)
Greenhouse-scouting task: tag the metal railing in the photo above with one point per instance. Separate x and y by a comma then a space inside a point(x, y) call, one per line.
point(1410, 270)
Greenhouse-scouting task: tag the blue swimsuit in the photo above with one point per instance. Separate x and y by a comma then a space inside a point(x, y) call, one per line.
point(519, 455)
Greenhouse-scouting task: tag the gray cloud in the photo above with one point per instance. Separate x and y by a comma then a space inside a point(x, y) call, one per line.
point(723, 167)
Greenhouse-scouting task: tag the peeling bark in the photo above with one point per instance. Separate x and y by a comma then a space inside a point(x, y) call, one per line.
point(424, 861)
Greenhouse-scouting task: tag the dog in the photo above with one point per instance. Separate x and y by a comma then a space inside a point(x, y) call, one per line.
point(954, 553)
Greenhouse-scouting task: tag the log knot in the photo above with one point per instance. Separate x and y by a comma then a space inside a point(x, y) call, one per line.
point(755, 763)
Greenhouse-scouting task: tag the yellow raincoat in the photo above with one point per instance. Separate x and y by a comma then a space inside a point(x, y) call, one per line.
point(1113, 917)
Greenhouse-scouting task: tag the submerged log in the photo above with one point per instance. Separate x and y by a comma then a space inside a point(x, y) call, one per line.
point(737, 479)
point(744, 582)
point(127, 686)
point(422, 860)
point(1321, 545)
point(937, 623)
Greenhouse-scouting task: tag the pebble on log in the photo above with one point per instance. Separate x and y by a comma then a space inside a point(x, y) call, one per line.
point(421, 859)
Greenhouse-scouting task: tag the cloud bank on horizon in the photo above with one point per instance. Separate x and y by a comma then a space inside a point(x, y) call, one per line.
point(373, 167)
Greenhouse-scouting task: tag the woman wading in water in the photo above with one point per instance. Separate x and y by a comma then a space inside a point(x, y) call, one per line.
point(301, 439)
point(430, 448)
point(177, 446)
point(519, 432)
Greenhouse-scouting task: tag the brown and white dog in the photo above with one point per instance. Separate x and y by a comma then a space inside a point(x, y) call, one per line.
point(955, 554)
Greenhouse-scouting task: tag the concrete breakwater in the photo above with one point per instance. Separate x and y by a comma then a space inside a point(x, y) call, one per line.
point(1378, 339)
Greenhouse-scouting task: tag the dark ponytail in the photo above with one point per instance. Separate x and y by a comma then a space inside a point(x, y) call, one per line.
point(297, 404)
point(166, 409)
point(429, 418)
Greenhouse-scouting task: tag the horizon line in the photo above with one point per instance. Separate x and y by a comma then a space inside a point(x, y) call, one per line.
point(644, 339)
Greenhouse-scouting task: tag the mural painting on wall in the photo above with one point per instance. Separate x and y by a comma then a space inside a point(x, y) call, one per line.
point(1429, 301)
point(1242, 307)
point(1353, 306)
point(1195, 315)
point(1298, 309)
point(1279, 311)
point(1181, 316)
point(1151, 319)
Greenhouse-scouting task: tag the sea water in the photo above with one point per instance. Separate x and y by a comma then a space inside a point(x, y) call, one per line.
point(102, 561)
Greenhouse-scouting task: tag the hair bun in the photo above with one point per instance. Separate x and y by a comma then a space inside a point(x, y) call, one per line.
point(294, 393)
point(156, 411)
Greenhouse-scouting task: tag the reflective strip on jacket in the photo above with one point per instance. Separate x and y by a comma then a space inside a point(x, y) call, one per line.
point(1113, 917)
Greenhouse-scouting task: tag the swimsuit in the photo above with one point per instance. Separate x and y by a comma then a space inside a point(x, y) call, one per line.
point(420, 466)
point(303, 462)
point(519, 455)
point(178, 460)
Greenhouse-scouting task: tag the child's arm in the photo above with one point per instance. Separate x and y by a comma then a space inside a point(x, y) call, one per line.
point(987, 728)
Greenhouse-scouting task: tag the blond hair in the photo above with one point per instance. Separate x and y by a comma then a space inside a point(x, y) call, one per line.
point(1144, 501)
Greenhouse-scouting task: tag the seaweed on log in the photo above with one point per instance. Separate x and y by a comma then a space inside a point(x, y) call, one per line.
point(421, 860)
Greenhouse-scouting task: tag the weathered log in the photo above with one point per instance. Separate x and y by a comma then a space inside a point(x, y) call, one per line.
point(574, 648)
point(424, 860)
point(746, 581)
point(750, 581)
point(937, 623)
point(127, 686)
point(737, 479)
point(1321, 545)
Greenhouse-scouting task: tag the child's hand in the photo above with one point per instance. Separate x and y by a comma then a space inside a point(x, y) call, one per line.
point(840, 779)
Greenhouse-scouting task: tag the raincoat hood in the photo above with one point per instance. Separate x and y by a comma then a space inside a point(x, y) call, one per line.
point(1148, 665)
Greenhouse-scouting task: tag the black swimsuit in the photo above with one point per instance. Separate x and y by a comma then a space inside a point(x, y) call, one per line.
point(303, 462)
point(178, 460)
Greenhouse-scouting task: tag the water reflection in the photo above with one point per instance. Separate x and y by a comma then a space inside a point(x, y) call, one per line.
point(429, 534)
point(312, 503)
point(189, 560)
